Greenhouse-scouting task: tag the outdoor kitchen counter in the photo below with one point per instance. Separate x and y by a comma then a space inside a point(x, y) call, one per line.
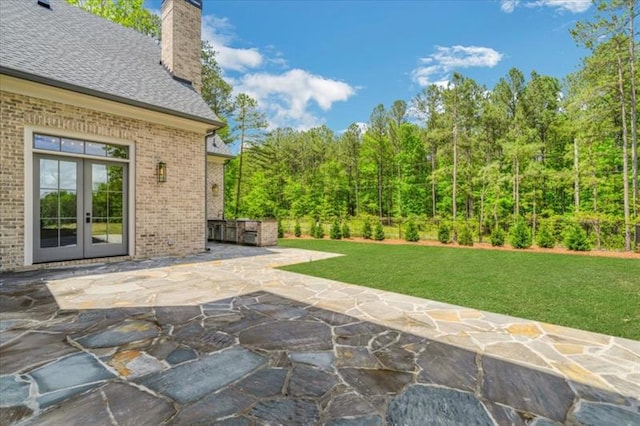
point(260, 233)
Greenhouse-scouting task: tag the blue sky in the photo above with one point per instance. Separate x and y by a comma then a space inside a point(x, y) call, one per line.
point(310, 63)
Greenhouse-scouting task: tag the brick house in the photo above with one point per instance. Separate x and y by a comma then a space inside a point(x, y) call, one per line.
point(107, 148)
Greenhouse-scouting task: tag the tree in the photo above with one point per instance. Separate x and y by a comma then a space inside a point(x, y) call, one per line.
point(128, 13)
point(509, 96)
point(351, 141)
point(396, 117)
point(250, 124)
point(614, 28)
point(216, 92)
point(428, 105)
point(378, 133)
point(411, 231)
point(461, 111)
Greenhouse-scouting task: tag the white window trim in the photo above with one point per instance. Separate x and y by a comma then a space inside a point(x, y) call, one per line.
point(29, 151)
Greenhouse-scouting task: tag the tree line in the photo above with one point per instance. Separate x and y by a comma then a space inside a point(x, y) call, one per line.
point(531, 146)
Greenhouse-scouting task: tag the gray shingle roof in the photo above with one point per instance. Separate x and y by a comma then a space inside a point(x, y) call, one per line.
point(70, 48)
point(216, 146)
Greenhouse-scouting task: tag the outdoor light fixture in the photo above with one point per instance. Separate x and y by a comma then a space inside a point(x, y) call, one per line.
point(161, 171)
point(215, 190)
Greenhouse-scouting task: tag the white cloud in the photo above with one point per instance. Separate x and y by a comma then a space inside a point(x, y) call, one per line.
point(287, 97)
point(436, 68)
point(508, 6)
point(219, 32)
point(573, 6)
point(362, 128)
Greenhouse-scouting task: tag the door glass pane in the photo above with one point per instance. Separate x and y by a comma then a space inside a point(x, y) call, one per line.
point(48, 204)
point(99, 177)
point(115, 204)
point(48, 174)
point(99, 204)
point(58, 203)
point(68, 175)
point(115, 173)
point(68, 204)
point(48, 232)
point(68, 232)
point(107, 203)
point(114, 230)
point(99, 230)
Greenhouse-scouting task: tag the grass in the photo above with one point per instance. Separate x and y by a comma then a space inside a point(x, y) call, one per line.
point(590, 293)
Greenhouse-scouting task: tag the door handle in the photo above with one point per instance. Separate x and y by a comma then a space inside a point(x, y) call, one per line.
point(88, 218)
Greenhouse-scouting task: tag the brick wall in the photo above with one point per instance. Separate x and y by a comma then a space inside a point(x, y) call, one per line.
point(215, 203)
point(181, 22)
point(11, 184)
point(268, 233)
point(170, 216)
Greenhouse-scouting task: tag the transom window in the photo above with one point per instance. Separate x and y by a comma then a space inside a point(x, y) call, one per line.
point(77, 146)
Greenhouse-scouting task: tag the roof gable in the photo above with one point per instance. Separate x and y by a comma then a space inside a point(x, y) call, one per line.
point(216, 146)
point(67, 47)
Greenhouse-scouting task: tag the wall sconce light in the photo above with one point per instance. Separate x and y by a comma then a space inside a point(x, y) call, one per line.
point(161, 171)
point(215, 190)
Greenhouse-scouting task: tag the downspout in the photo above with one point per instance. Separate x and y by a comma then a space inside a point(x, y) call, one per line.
point(206, 194)
point(224, 178)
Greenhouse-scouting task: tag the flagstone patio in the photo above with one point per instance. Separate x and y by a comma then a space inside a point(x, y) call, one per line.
point(224, 338)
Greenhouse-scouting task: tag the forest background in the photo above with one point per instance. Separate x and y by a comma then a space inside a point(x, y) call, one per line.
point(557, 158)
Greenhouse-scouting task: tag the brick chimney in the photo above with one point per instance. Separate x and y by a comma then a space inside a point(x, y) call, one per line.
point(181, 38)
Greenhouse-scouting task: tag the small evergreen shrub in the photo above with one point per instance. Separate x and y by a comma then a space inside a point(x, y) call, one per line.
point(367, 232)
point(545, 237)
point(346, 232)
point(411, 232)
point(378, 232)
point(335, 233)
point(444, 234)
point(465, 237)
point(297, 231)
point(312, 229)
point(576, 239)
point(497, 237)
point(319, 231)
point(520, 235)
point(280, 229)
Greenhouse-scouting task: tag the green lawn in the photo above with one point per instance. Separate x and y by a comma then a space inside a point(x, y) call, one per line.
point(590, 293)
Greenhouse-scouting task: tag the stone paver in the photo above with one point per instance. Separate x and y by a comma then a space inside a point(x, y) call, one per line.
point(225, 338)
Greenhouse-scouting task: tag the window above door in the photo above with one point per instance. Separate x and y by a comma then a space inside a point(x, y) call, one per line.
point(78, 146)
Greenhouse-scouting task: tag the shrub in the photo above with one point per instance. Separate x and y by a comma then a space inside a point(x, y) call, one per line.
point(576, 239)
point(366, 229)
point(319, 231)
point(378, 233)
point(444, 233)
point(520, 235)
point(411, 232)
point(465, 238)
point(545, 237)
point(497, 237)
point(280, 229)
point(335, 233)
point(346, 232)
point(297, 231)
point(312, 229)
